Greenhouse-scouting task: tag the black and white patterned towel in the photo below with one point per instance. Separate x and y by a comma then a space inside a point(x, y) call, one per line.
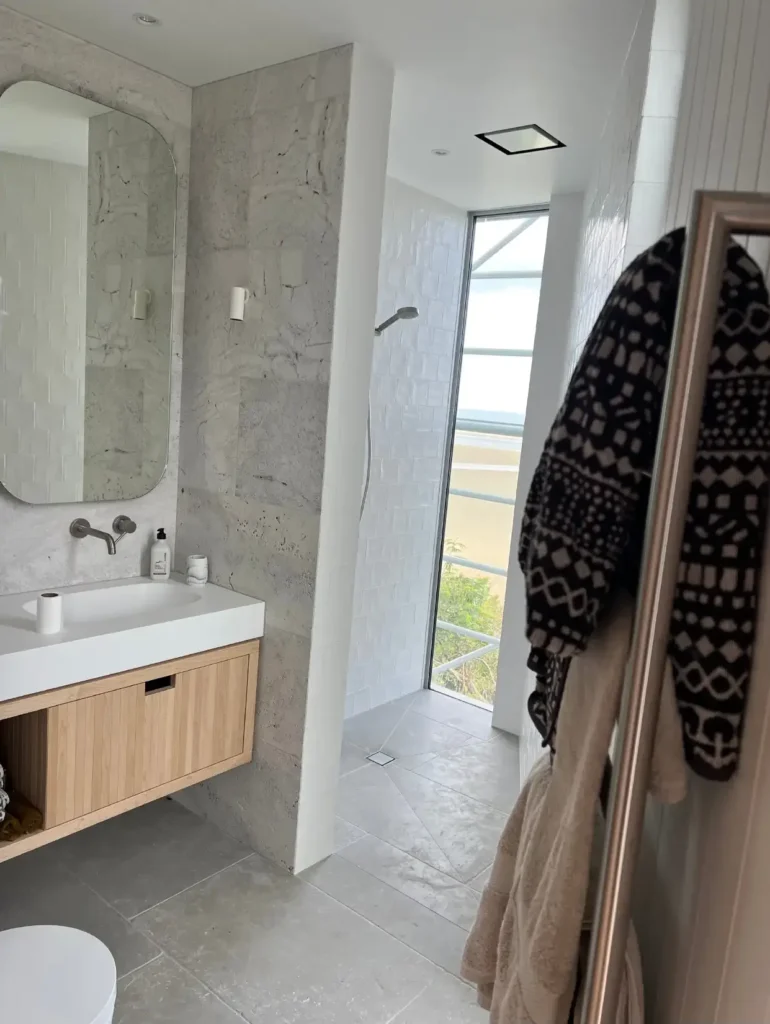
point(583, 521)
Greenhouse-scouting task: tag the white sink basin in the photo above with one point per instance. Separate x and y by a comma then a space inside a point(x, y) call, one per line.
point(105, 604)
point(116, 626)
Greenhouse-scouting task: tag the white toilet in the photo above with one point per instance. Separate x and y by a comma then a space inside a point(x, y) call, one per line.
point(53, 975)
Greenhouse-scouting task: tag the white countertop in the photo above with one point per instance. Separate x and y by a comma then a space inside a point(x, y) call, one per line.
point(116, 626)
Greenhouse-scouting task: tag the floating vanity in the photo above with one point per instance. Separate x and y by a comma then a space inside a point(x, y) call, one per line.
point(150, 687)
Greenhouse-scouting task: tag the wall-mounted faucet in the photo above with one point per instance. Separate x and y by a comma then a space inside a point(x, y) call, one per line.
point(122, 525)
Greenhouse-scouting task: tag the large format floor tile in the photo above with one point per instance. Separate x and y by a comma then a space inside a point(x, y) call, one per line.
point(277, 949)
point(444, 799)
point(400, 916)
point(163, 993)
point(453, 711)
point(415, 734)
point(446, 1001)
point(466, 831)
point(35, 889)
point(370, 799)
point(433, 889)
point(141, 858)
point(486, 770)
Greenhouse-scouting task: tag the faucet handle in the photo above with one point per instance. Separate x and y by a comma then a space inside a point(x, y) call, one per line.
point(123, 525)
point(80, 528)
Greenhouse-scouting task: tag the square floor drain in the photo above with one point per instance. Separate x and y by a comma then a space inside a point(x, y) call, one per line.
point(380, 758)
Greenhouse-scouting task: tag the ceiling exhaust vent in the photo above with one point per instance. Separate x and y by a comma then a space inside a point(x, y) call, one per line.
point(527, 138)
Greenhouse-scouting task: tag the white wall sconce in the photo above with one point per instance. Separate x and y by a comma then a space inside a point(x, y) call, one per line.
point(142, 300)
point(238, 299)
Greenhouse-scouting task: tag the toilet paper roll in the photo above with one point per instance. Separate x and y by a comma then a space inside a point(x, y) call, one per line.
point(49, 613)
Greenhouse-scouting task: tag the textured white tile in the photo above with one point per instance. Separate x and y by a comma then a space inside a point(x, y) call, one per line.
point(420, 264)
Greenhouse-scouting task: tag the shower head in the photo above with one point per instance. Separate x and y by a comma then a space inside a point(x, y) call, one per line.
point(403, 313)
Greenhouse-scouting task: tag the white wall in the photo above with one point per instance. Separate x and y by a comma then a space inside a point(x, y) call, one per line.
point(366, 157)
point(657, 128)
point(43, 330)
point(701, 905)
point(608, 199)
point(421, 264)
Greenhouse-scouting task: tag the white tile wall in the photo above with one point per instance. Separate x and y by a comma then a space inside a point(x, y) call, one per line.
point(42, 327)
point(421, 264)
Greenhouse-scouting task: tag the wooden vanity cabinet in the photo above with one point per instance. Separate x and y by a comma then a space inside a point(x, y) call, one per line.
point(83, 753)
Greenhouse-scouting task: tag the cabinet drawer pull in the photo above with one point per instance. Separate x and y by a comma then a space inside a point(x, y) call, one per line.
point(159, 685)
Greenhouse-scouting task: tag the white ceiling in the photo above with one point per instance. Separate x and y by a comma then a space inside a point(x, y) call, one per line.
point(462, 66)
point(50, 124)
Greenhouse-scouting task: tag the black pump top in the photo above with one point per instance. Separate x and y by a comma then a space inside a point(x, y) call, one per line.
point(161, 534)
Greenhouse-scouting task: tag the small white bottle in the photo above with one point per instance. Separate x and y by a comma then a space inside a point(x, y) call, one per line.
point(160, 558)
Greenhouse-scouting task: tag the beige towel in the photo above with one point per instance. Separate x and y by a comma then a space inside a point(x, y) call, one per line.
point(522, 952)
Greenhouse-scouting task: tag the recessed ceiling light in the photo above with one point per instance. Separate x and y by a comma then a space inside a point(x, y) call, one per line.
point(440, 152)
point(527, 138)
point(148, 20)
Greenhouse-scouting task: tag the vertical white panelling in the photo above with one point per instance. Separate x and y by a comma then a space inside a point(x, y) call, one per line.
point(421, 262)
point(703, 913)
point(685, 107)
point(713, 70)
point(42, 327)
point(720, 120)
point(747, 14)
point(755, 123)
point(608, 198)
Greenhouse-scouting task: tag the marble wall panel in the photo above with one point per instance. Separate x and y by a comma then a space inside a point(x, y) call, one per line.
point(281, 434)
point(37, 549)
point(266, 189)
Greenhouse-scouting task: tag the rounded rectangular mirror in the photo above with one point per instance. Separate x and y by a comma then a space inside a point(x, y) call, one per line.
point(87, 220)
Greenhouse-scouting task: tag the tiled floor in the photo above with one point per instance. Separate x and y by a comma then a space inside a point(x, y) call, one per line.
point(416, 837)
point(206, 932)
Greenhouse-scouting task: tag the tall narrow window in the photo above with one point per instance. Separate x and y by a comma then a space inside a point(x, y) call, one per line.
point(504, 291)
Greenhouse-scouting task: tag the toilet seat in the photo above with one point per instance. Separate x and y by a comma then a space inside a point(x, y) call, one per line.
point(55, 975)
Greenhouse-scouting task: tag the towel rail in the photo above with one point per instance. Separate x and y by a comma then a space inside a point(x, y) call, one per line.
point(715, 216)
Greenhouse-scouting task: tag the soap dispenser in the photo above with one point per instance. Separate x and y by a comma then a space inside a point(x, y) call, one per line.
point(160, 558)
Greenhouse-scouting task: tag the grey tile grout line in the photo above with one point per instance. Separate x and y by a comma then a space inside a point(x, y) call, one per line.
point(407, 709)
point(141, 967)
point(455, 728)
point(417, 815)
point(438, 845)
point(473, 799)
point(384, 881)
point(410, 1003)
point(158, 945)
point(344, 846)
point(187, 888)
point(202, 983)
point(385, 931)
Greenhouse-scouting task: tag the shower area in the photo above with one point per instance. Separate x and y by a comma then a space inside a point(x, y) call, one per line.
point(421, 269)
